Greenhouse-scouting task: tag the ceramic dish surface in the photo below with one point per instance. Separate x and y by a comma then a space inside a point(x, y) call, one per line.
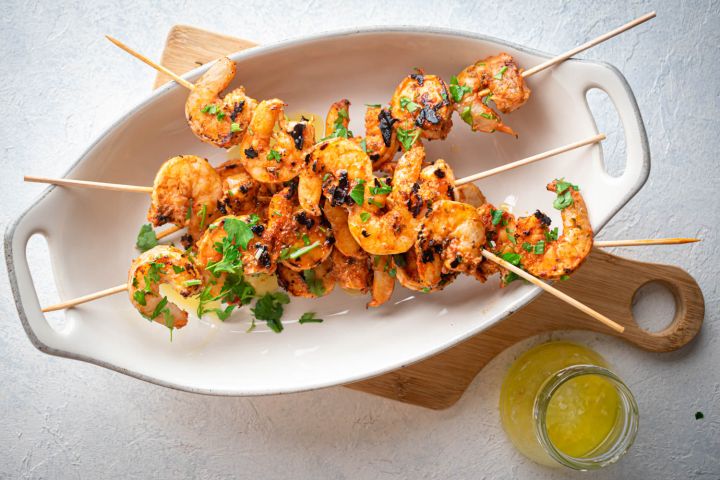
point(91, 233)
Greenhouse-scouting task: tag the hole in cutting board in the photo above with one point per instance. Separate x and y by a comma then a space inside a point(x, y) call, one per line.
point(608, 122)
point(38, 257)
point(654, 307)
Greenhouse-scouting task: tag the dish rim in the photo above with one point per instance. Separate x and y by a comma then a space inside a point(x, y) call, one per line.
point(259, 50)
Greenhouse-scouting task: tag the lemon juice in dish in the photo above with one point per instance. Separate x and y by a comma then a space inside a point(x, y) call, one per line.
point(561, 405)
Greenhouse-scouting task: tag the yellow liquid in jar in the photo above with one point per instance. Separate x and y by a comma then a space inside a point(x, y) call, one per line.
point(581, 413)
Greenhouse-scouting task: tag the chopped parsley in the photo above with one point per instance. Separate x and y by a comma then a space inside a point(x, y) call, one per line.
point(511, 257)
point(363, 145)
point(188, 214)
point(489, 116)
point(383, 189)
point(235, 127)
point(270, 309)
point(511, 235)
point(458, 91)
point(407, 137)
point(302, 251)
point(309, 317)
point(358, 192)
point(408, 104)
point(487, 98)
point(374, 202)
point(565, 277)
point(146, 238)
point(202, 214)
point(212, 109)
point(274, 155)
point(339, 129)
point(499, 75)
point(466, 115)
point(193, 282)
point(315, 285)
point(527, 247)
point(305, 239)
point(139, 297)
point(392, 272)
point(177, 269)
point(364, 216)
point(563, 200)
point(551, 235)
point(539, 248)
point(497, 216)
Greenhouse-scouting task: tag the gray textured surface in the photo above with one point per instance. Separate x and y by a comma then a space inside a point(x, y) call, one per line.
point(64, 419)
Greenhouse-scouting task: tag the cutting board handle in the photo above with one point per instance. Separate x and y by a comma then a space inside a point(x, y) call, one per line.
point(689, 304)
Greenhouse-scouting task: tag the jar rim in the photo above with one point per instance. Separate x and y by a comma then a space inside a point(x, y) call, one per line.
point(628, 427)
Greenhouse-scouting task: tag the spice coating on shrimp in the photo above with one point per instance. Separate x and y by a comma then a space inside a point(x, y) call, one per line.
point(162, 264)
point(422, 102)
point(219, 121)
point(186, 192)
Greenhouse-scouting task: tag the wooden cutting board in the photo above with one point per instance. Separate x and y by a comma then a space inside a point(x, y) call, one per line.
point(605, 282)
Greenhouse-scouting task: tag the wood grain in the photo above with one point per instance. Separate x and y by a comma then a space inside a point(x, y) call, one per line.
point(605, 283)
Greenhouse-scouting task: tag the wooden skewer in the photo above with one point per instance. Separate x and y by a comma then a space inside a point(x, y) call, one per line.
point(169, 231)
point(493, 171)
point(644, 241)
point(86, 298)
point(583, 47)
point(540, 156)
point(554, 291)
point(486, 254)
point(88, 184)
point(154, 65)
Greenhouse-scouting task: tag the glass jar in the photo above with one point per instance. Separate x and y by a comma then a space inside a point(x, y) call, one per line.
point(561, 405)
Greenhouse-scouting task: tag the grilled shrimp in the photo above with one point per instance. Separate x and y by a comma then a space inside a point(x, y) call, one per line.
point(351, 273)
point(501, 76)
point(335, 167)
point(275, 155)
point(313, 283)
point(242, 194)
point(390, 229)
point(302, 239)
point(381, 141)
point(437, 182)
point(450, 239)
point(383, 281)
point(422, 102)
point(551, 259)
point(162, 264)
point(504, 79)
point(186, 192)
point(344, 241)
point(219, 121)
point(469, 193)
point(338, 119)
point(406, 269)
point(256, 258)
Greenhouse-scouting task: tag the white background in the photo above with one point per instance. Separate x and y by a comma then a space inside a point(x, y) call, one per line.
point(65, 83)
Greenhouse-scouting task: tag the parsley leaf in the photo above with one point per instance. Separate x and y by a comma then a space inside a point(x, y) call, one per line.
point(511, 257)
point(383, 189)
point(309, 317)
point(458, 91)
point(551, 235)
point(238, 231)
point(270, 309)
point(499, 75)
point(363, 145)
point(139, 297)
point(364, 216)
point(188, 215)
point(177, 269)
point(563, 200)
point(408, 104)
point(466, 116)
point(146, 238)
point(358, 192)
point(202, 214)
point(407, 137)
point(302, 251)
point(372, 201)
point(539, 247)
point(497, 216)
point(314, 284)
point(235, 128)
point(274, 155)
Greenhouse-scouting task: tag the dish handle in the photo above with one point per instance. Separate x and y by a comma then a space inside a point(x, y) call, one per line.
point(17, 236)
point(607, 78)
